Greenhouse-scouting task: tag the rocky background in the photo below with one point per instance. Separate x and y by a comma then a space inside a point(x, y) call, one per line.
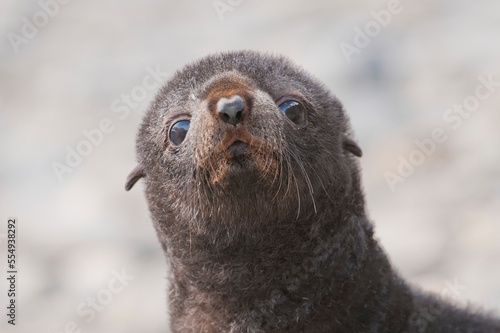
point(403, 70)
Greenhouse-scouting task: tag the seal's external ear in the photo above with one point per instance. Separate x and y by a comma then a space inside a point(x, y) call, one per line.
point(351, 146)
point(134, 176)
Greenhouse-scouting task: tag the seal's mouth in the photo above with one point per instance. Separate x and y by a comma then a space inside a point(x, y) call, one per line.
point(241, 154)
point(238, 146)
point(237, 149)
point(238, 154)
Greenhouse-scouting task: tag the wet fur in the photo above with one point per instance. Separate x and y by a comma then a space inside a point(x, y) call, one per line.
point(287, 246)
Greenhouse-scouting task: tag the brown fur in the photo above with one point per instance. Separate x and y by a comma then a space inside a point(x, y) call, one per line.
point(277, 240)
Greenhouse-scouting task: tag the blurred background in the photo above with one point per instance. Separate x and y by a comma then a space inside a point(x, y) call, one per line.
point(75, 80)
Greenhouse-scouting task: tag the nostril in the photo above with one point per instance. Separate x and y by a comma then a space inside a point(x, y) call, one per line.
point(231, 109)
point(238, 116)
point(225, 116)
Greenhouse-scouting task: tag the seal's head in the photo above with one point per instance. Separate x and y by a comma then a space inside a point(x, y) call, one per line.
point(243, 139)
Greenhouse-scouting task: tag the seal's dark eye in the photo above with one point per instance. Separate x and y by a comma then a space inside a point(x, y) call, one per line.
point(178, 132)
point(294, 111)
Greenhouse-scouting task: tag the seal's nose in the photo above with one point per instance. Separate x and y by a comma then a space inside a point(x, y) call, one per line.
point(231, 109)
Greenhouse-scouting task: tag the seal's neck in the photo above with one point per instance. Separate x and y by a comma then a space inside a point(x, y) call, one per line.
point(280, 278)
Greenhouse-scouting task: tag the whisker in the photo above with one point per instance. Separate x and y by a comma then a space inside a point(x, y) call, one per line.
point(322, 185)
point(279, 174)
point(291, 176)
point(307, 179)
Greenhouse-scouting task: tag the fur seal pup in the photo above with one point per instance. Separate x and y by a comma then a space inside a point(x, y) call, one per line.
point(254, 189)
